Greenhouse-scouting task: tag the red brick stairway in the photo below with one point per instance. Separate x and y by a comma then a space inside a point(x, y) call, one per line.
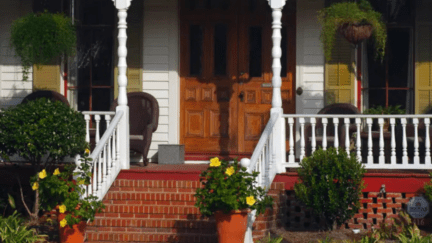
point(142, 210)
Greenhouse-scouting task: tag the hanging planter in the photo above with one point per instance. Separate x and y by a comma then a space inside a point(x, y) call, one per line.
point(232, 226)
point(356, 21)
point(41, 38)
point(355, 33)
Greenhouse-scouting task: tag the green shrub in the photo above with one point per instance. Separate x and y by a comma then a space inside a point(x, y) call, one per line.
point(13, 230)
point(330, 184)
point(37, 128)
point(428, 189)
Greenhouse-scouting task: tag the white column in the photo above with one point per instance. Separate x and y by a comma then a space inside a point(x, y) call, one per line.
point(122, 6)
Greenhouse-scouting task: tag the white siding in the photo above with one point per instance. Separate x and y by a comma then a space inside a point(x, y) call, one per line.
point(160, 77)
point(12, 88)
point(310, 58)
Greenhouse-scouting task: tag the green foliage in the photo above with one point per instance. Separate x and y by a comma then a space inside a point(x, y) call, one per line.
point(13, 230)
point(330, 184)
point(42, 127)
point(269, 239)
point(379, 110)
point(59, 189)
point(226, 192)
point(327, 240)
point(338, 14)
point(39, 38)
point(428, 189)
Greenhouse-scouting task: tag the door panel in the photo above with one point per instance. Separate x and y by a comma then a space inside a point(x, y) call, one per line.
point(226, 75)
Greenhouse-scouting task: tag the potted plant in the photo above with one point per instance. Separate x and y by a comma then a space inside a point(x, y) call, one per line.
point(380, 110)
point(356, 21)
point(59, 190)
point(39, 38)
point(230, 193)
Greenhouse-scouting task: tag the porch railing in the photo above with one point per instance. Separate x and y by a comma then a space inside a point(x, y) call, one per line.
point(264, 160)
point(406, 144)
point(106, 156)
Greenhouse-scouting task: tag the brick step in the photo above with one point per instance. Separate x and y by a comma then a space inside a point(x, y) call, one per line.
point(121, 183)
point(149, 196)
point(125, 183)
point(152, 209)
point(150, 230)
point(151, 237)
point(152, 222)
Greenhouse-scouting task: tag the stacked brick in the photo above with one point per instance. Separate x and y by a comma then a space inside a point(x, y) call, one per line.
point(374, 209)
point(164, 211)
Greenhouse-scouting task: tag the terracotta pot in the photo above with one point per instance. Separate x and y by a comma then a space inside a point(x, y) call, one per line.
point(231, 227)
point(68, 234)
point(355, 33)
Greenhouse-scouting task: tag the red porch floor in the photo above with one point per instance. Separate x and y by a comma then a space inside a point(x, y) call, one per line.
point(405, 181)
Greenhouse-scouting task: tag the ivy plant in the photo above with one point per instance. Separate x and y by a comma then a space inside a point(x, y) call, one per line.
point(338, 14)
point(40, 38)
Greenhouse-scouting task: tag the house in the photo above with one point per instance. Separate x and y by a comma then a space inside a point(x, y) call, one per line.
point(210, 64)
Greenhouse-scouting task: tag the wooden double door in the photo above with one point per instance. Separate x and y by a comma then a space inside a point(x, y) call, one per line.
point(225, 72)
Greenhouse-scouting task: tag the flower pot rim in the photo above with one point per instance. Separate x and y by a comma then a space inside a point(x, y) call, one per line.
point(245, 210)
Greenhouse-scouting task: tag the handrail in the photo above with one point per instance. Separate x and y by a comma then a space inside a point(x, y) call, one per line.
point(105, 160)
point(106, 135)
point(98, 112)
point(263, 158)
point(355, 116)
point(262, 141)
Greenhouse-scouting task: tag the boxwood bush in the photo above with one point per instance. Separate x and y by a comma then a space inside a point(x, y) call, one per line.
point(330, 184)
point(42, 127)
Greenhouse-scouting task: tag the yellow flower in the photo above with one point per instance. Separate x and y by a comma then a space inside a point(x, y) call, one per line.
point(63, 223)
point(87, 151)
point(56, 172)
point(215, 162)
point(42, 174)
point(81, 182)
point(35, 186)
point(230, 171)
point(62, 208)
point(250, 200)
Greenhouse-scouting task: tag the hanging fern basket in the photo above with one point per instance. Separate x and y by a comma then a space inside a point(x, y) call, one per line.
point(40, 38)
point(355, 33)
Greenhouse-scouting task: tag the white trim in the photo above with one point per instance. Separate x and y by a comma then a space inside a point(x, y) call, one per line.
point(174, 77)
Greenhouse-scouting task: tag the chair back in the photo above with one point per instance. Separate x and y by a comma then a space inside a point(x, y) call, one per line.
point(143, 111)
point(49, 94)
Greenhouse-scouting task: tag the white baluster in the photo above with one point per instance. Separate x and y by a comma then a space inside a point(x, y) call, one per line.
point(381, 159)
point(291, 158)
point(302, 140)
point(104, 168)
point(358, 142)
point(97, 119)
point(416, 143)
point(94, 179)
point(347, 137)
point(393, 142)
point(87, 120)
point(313, 123)
point(118, 148)
point(324, 141)
point(427, 143)
point(404, 142)
point(99, 181)
point(370, 155)
point(336, 135)
point(113, 153)
point(109, 165)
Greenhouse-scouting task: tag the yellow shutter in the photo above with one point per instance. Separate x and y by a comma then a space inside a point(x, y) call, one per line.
point(134, 47)
point(339, 74)
point(46, 77)
point(423, 76)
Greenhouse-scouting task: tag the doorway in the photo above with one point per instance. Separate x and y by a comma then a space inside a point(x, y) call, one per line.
point(225, 73)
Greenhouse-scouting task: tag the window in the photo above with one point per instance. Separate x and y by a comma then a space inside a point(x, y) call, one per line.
point(390, 82)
